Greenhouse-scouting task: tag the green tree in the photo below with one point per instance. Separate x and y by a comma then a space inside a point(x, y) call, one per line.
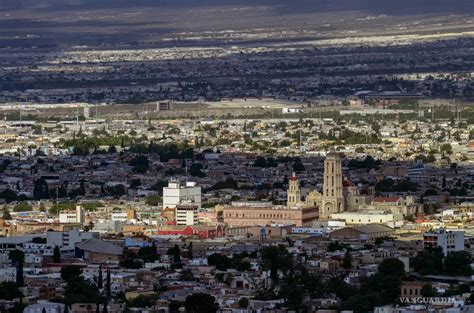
point(79, 290)
point(9, 195)
point(117, 190)
point(190, 250)
point(56, 255)
point(429, 261)
point(140, 164)
point(6, 215)
point(135, 183)
point(201, 303)
point(186, 275)
point(298, 166)
point(9, 291)
point(17, 257)
point(153, 200)
point(174, 306)
point(148, 254)
point(176, 253)
point(100, 279)
point(244, 303)
point(458, 263)
point(41, 189)
point(196, 170)
point(221, 262)
point(347, 261)
point(392, 267)
point(335, 246)
point(69, 272)
point(22, 207)
point(276, 259)
point(428, 291)
point(108, 284)
point(141, 301)
point(446, 148)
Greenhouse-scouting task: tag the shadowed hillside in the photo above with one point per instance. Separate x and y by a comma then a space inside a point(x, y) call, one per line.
point(288, 6)
point(103, 22)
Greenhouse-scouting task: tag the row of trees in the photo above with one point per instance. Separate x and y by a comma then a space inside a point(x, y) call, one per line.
point(432, 261)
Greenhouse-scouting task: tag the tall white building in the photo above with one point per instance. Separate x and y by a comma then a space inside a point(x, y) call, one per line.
point(448, 240)
point(176, 193)
point(186, 215)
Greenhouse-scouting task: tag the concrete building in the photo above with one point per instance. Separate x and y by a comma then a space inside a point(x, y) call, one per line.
point(364, 217)
point(264, 213)
point(88, 307)
point(448, 240)
point(164, 106)
point(66, 240)
point(73, 217)
point(362, 232)
point(186, 215)
point(48, 307)
point(123, 217)
point(176, 194)
point(333, 197)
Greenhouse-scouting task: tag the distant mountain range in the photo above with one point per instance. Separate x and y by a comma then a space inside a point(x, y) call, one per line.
point(382, 6)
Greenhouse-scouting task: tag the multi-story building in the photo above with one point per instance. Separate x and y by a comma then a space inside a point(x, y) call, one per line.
point(448, 240)
point(264, 213)
point(186, 215)
point(176, 194)
point(123, 217)
point(66, 240)
point(75, 217)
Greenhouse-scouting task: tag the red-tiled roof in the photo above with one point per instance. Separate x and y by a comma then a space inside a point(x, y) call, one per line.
point(386, 199)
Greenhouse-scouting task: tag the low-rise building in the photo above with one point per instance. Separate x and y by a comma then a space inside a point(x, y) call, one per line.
point(362, 232)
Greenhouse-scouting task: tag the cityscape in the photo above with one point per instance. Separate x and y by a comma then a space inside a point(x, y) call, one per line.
point(236, 156)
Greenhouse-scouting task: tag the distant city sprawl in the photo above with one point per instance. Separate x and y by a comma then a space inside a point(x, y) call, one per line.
point(236, 156)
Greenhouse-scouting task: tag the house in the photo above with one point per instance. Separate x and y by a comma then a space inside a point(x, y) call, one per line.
point(45, 306)
point(89, 308)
